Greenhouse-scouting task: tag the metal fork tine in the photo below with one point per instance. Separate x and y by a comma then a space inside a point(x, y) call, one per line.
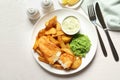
point(88, 10)
point(91, 12)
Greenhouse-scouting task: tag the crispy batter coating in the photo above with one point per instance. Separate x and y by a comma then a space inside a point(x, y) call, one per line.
point(50, 51)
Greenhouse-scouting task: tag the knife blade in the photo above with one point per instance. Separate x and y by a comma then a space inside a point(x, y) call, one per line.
point(102, 22)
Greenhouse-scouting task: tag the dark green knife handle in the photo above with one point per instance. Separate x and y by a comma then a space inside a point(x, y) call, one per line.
point(112, 46)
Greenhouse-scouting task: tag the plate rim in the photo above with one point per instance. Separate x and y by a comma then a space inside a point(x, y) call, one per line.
point(47, 64)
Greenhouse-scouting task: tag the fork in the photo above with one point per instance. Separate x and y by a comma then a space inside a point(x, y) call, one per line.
point(92, 17)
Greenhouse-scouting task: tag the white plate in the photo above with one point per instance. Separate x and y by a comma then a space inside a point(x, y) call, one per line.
point(72, 7)
point(86, 28)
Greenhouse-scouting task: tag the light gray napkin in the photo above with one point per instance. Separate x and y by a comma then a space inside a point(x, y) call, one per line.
point(110, 10)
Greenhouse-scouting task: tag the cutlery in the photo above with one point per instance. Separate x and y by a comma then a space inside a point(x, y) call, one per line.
point(92, 18)
point(101, 20)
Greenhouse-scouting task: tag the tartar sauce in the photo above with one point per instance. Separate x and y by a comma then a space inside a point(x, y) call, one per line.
point(70, 25)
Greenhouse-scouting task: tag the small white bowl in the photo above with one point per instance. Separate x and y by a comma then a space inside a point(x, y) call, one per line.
point(70, 25)
point(71, 7)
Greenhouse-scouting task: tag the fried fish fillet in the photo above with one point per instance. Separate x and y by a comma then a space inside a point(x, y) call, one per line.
point(66, 60)
point(50, 51)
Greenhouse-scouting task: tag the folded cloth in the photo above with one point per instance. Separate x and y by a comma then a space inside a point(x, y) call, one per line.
point(110, 10)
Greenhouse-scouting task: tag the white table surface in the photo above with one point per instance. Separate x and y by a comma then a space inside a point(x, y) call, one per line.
point(17, 62)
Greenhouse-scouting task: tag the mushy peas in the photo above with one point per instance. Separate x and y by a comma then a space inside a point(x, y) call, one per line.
point(80, 45)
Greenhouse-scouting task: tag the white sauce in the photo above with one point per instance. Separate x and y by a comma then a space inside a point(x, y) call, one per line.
point(70, 25)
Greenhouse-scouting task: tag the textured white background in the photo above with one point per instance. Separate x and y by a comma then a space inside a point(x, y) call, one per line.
point(16, 60)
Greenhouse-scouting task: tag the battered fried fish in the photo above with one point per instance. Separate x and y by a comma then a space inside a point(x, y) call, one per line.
point(66, 60)
point(50, 51)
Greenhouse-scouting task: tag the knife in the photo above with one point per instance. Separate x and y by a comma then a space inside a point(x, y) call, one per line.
point(102, 22)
